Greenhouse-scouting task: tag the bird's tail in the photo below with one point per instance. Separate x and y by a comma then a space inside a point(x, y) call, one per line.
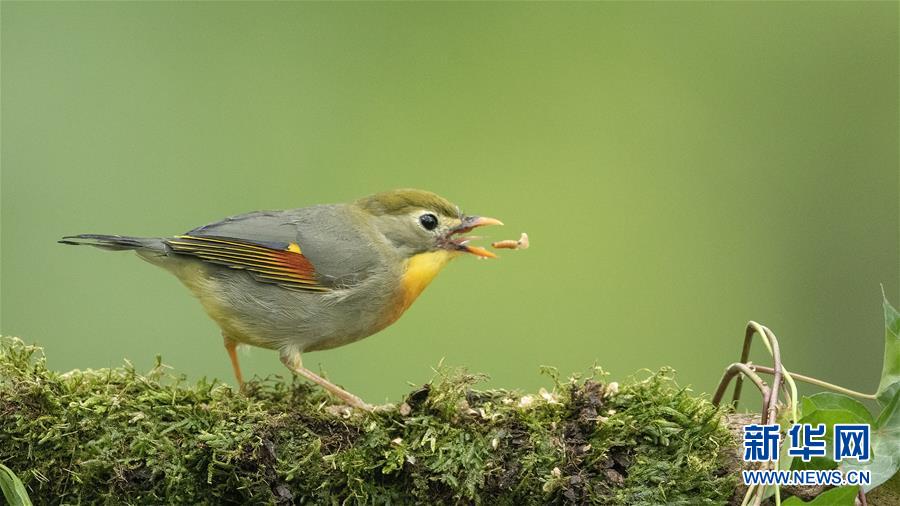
point(113, 242)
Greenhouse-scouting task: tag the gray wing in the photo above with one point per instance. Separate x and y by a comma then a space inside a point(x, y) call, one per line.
point(273, 245)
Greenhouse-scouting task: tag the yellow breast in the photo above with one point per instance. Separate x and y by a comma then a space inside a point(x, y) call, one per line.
point(420, 270)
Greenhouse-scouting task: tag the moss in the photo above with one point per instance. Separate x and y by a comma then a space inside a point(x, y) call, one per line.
point(117, 436)
point(887, 494)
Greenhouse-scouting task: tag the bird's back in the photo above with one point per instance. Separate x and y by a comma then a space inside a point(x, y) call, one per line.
point(351, 265)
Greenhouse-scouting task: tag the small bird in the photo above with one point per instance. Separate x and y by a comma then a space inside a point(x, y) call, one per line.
point(312, 278)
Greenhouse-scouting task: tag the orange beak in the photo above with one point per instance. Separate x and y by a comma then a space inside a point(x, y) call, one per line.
point(462, 243)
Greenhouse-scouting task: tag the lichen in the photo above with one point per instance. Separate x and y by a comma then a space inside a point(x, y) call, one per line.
point(118, 436)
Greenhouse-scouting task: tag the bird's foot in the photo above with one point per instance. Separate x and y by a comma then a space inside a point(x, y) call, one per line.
point(348, 398)
point(351, 400)
point(295, 364)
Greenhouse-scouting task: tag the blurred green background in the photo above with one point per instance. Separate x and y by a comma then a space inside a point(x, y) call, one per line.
point(680, 168)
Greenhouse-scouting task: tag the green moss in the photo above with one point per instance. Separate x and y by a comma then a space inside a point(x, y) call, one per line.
point(114, 436)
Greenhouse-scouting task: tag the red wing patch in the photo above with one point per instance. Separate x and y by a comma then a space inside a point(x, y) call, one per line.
point(280, 264)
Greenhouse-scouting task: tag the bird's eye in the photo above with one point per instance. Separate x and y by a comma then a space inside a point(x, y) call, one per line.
point(428, 221)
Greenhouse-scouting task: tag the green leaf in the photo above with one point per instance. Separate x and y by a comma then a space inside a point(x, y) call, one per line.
point(840, 496)
point(890, 373)
point(13, 490)
point(885, 439)
point(829, 408)
point(837, 402)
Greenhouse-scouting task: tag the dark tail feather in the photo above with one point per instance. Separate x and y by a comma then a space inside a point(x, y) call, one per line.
point(109, 242)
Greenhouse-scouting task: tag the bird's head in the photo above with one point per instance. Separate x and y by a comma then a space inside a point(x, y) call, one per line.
point(417, 221)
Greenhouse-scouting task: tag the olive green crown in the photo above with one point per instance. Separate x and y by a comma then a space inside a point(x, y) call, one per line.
point(405, 200)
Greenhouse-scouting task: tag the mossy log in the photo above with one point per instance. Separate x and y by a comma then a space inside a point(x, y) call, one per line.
point(118, 436)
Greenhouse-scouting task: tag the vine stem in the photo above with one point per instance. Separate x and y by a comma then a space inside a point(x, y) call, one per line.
point(748, 494)
point(818, 382)
point(772, 347)
point(734, 370)
point(781, 379)
point(770, 396)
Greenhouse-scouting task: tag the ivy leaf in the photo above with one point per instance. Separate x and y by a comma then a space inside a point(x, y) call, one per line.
point(890, 373)
point(829, 401)
point(829, 408)
point(885, 440)
point(840, 496)
point(12, 488)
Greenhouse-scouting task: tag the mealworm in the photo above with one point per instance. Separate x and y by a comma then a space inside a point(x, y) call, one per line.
point(522, 243)
point(507, 244)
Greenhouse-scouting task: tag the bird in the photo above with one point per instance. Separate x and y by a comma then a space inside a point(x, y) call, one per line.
point(311, 278)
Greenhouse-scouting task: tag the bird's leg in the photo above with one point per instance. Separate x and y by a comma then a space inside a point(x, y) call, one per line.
point(231, 347)
point(292, 360)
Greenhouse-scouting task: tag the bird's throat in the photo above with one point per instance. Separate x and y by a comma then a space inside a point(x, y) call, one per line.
point(420, 270)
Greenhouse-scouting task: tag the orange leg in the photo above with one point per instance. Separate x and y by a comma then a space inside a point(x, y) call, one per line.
point(231, 347)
